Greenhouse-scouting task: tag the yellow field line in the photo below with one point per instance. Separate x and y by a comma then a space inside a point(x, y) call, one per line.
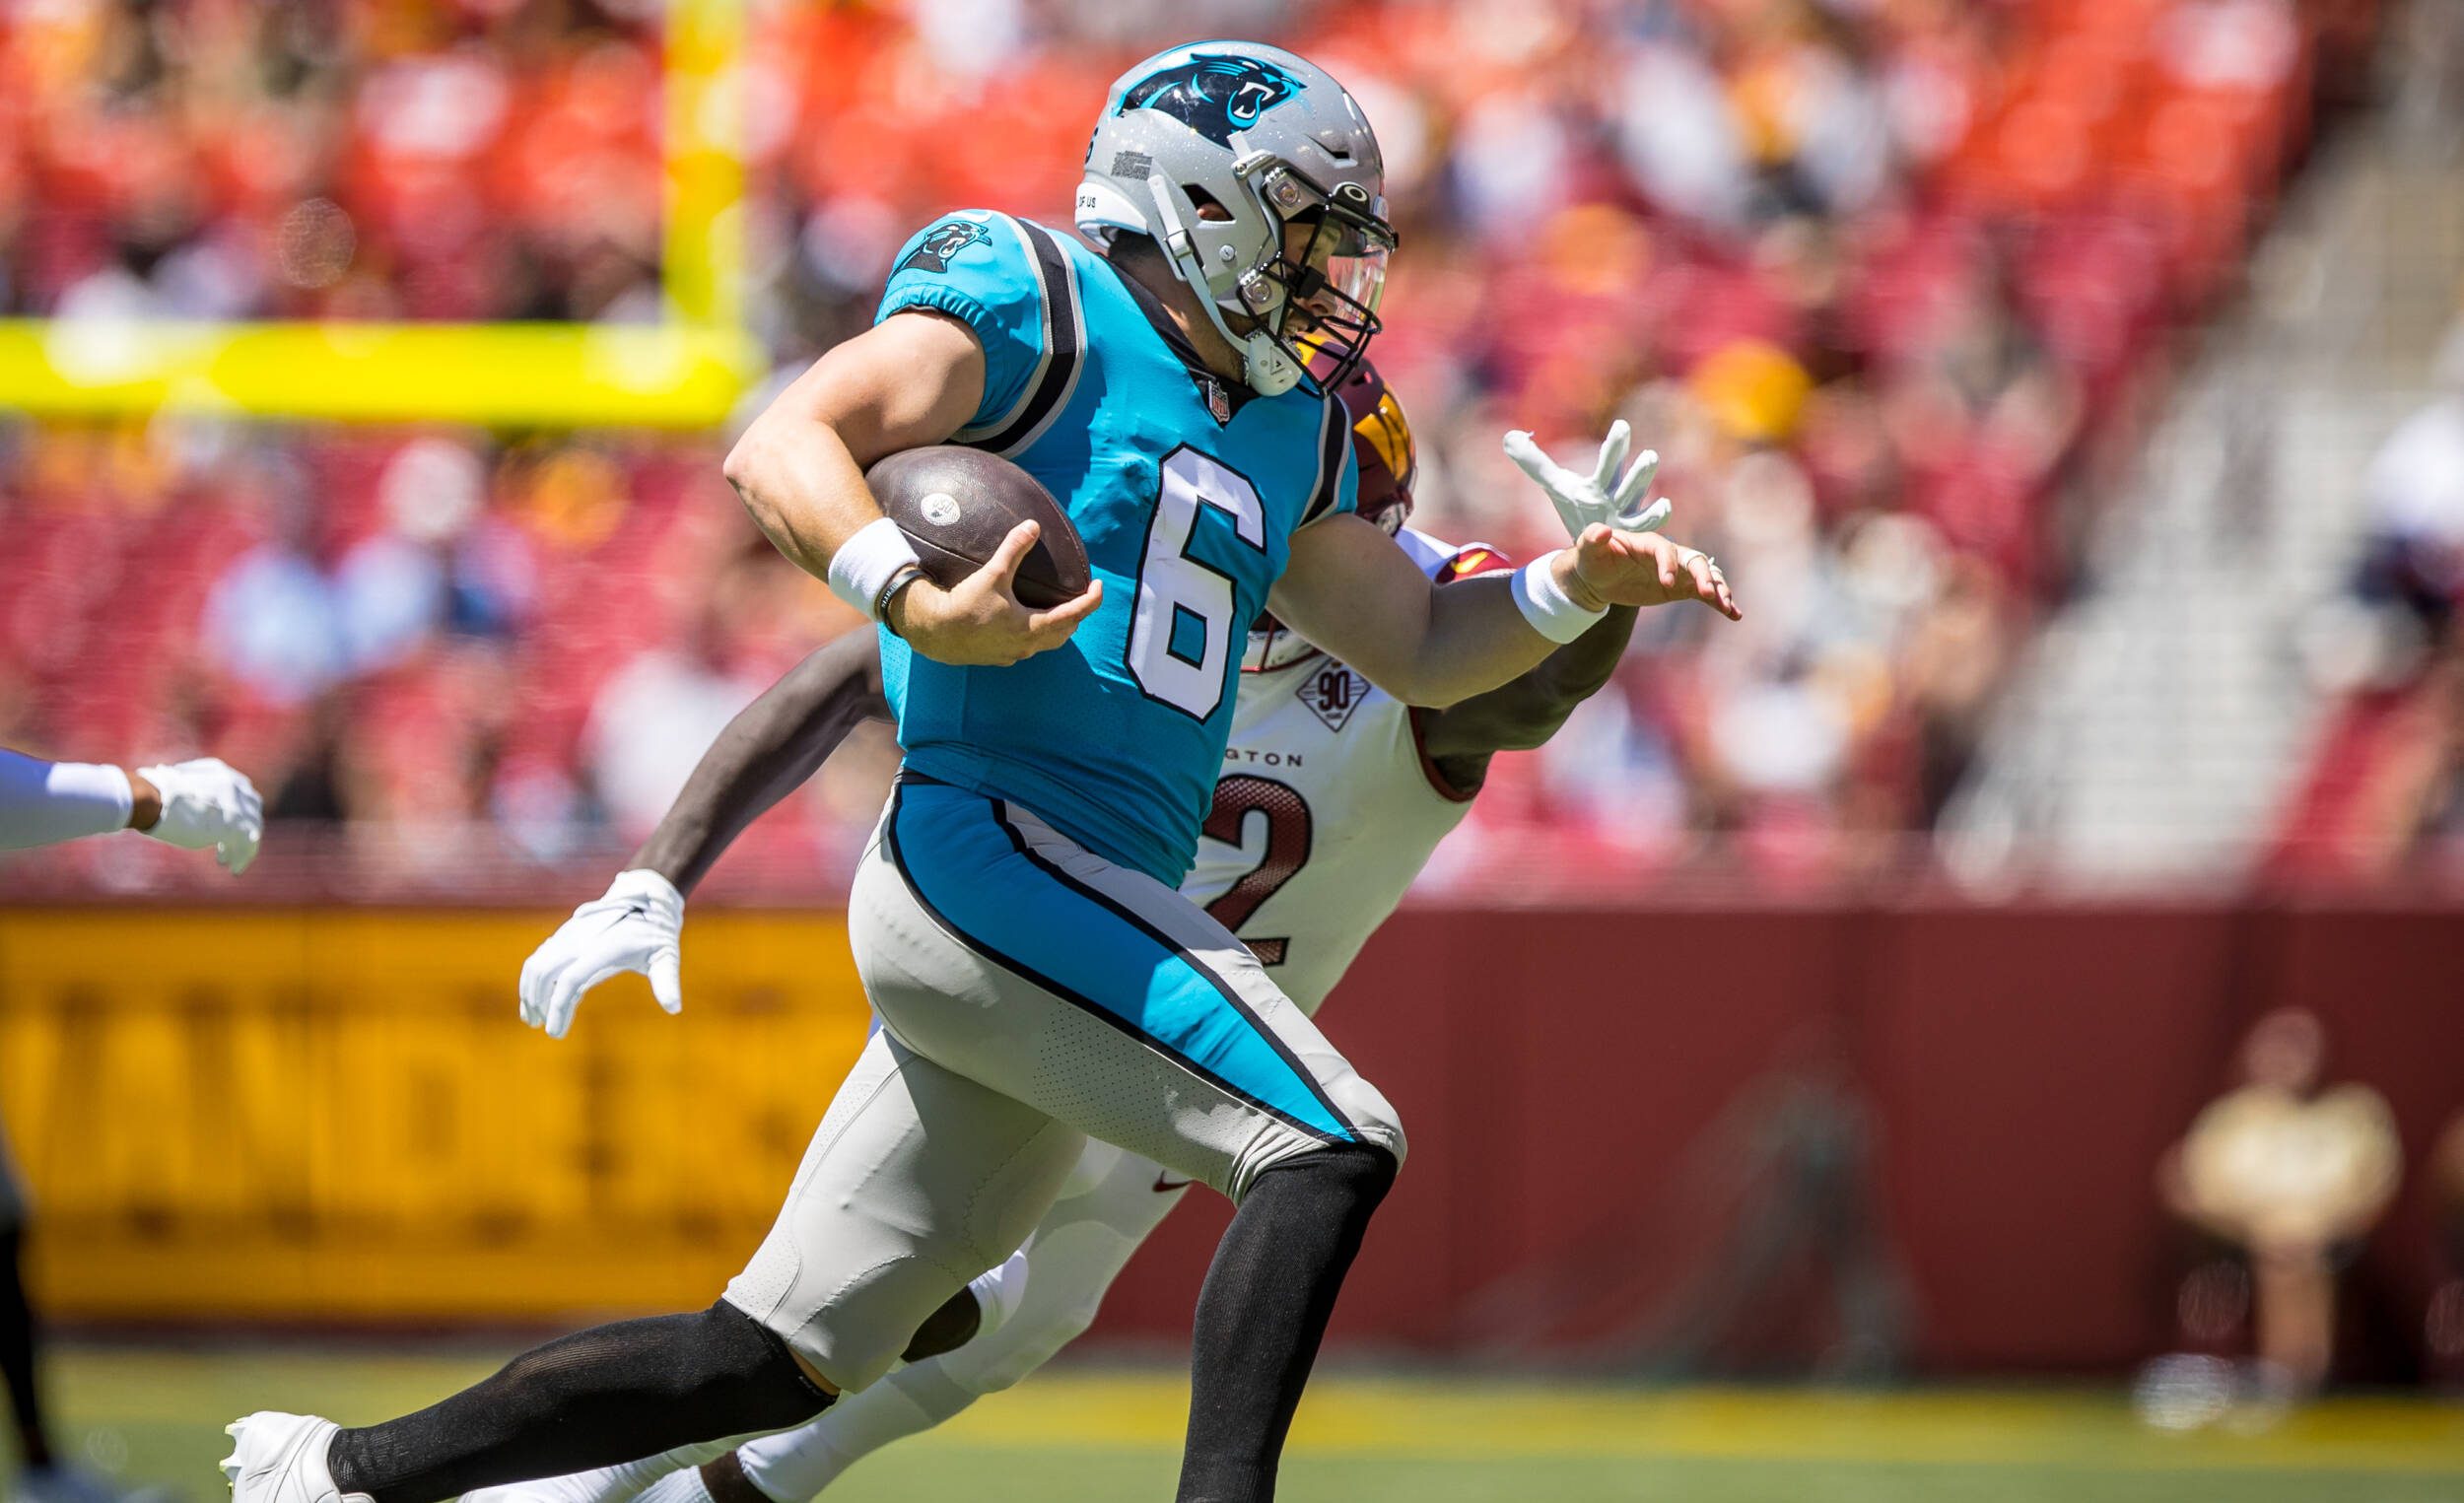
point(1434, 1418)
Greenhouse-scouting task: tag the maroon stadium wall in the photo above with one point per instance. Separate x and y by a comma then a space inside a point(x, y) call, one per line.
point(1695, 1136)
point(1833, 1135)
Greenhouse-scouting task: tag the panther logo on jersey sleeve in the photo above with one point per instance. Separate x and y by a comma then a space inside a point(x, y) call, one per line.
point(943, 243)
point(1213, 93)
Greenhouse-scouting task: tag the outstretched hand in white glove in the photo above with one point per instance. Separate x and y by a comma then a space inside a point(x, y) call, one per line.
point(637, 927)
point(1605, 495)
point(208, 803)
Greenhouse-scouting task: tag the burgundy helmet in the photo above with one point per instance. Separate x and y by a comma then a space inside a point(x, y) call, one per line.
point(1383, 449)
point(1382, 443)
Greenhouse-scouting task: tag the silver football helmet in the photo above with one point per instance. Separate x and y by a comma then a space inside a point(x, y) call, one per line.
point(1213, 149)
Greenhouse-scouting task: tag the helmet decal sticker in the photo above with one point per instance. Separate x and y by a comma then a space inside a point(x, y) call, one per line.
point(1213, 93)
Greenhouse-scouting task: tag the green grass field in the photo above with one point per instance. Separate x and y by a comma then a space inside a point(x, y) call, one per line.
point(158, 1416)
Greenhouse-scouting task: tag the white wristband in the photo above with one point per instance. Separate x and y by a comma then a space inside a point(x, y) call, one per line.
point(1546, 604)
point(862, 568)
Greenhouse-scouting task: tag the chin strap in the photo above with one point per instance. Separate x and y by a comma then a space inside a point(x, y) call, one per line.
point(1269, 372)
point(1265, 368)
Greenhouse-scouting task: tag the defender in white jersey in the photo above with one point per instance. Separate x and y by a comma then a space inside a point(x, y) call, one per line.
point(1333, 797)
point(1329, 807)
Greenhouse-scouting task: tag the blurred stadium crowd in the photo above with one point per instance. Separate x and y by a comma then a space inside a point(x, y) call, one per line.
point(1889, 283)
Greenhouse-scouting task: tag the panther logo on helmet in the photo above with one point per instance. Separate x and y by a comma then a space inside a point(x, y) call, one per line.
point(1213, 93)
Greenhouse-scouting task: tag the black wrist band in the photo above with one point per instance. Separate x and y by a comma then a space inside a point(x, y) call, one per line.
point(900, 577)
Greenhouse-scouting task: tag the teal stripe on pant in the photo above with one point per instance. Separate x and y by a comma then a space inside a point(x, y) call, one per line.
point(978, 878)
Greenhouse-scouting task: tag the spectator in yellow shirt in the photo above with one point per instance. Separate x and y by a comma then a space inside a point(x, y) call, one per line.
point(2295, 1174)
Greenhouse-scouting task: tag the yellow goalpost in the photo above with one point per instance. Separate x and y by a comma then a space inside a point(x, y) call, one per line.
point(684, 372)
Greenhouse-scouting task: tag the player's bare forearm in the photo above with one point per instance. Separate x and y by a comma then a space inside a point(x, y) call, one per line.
point(1526, 712)
point(910, 380)
point(805, 489)
point(913, 379)
point(766, 753)
point(1477, 642)
point(1350, 590)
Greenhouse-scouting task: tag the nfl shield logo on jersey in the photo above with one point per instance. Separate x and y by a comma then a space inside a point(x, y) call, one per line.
point(1333, 693)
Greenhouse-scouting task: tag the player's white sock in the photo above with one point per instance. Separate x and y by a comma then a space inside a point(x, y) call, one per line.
point(676, 1487)
point(999, 1293)
point(605, 1484)
point(795, 1464)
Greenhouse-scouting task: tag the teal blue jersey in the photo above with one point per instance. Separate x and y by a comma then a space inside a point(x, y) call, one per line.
point(1187, 500)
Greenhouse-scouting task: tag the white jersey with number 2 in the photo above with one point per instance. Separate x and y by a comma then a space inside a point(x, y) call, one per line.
point(1326, 809)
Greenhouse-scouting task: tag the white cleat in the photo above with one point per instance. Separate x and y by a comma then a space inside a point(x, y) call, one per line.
point(281, 1459)
point(609, 1484)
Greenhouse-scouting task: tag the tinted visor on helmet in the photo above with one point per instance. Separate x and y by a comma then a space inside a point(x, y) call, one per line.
point(1331, 290)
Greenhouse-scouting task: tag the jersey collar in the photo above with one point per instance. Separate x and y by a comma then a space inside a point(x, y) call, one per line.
point(1221, 398)
point(1275, 647)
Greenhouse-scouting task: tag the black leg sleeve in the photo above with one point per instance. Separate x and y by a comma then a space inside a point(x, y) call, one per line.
point(599, 1397)
point(947, 1328)
point(1262, 1310)
point(17, 1351)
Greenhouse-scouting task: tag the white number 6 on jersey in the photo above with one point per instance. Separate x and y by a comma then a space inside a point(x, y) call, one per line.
point(1183, 625)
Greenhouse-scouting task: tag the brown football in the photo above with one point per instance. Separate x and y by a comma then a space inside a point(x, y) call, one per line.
point(957, 504)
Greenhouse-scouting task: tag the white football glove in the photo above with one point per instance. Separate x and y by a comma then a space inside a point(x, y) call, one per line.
point(1602, 496)
point(637, 927)
point(208, 803)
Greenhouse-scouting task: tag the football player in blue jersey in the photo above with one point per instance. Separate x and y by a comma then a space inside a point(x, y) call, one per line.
point(1333, 795)
point(1015, 922)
